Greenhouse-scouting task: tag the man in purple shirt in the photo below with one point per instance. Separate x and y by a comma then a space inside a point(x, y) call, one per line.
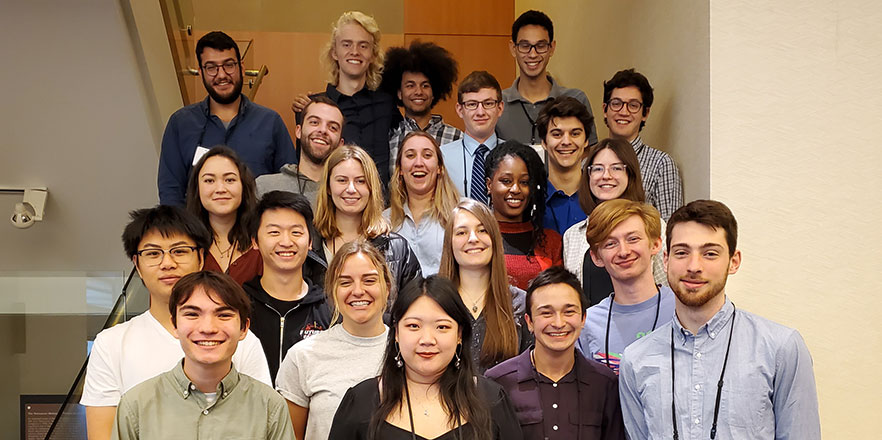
point(556, 392)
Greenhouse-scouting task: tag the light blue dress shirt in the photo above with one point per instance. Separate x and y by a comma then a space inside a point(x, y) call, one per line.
point(426, 240)
point(768, 390)
point(458, 161)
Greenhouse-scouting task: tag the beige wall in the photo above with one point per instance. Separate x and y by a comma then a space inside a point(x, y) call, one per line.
point(668, 42)
point(795, 130)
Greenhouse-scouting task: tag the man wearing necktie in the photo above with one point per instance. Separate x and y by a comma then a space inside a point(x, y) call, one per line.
point(479, 104)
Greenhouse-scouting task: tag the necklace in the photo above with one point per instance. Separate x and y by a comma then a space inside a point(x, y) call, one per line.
point(475, 303)
point(224, 253)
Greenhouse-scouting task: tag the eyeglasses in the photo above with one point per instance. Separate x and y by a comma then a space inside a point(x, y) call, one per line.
point(152, 257)
point(473, 105)
point(616, 104)
point(525, 47)
point(230, 66)
point(616, 169)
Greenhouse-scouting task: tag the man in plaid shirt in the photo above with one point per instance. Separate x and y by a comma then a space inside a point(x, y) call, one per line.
point(627, 98)
point(419, 76)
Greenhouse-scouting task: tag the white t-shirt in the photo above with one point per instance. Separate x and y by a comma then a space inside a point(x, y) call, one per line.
point(317, 371)
point(141, 348)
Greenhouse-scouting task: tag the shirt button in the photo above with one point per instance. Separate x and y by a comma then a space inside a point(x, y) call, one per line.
point(206, 413)
point(554, 427)
point(186, 393)
point(227, 392)
point(554, 405)
point(554, 385)
point(697, 421)
point(697, 387)
point(713, 334)
point(698, 355)
point(192, 387)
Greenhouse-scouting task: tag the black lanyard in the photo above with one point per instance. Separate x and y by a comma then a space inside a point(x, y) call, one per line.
point(532, 123)
point(612, 300)
point(713, 432)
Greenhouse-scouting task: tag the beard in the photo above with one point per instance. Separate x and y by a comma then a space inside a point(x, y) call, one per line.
point(699, 297)
point(224, 99)
point(311, 154)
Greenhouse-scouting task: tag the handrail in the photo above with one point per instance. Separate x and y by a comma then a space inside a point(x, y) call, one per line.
point(112, 319)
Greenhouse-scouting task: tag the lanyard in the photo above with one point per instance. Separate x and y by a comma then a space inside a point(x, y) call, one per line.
point(612, 300)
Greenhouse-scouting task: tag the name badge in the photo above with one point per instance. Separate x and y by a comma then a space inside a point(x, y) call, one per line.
point(540, 151)
point(200, 151)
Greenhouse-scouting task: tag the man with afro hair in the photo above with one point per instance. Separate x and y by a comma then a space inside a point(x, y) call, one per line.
point(420, 76)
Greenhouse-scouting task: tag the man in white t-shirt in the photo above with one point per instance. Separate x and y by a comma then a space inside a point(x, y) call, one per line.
point(165, 243)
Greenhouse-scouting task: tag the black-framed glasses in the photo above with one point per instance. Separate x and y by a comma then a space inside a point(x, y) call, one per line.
point(473, 105)
point(229, 66)
point(152, 257)
point(525, 47)
point(616, 104)
point(616, 169)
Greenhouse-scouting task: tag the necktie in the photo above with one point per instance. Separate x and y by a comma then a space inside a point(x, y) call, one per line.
point(478, 190)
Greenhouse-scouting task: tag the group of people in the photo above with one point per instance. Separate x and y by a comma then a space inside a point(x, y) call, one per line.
point(395, 277)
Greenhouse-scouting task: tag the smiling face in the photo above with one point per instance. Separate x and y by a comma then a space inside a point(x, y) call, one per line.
point(419, 165)
point(610, 184)
point(223, 88)
point(627, 252)
point(220, 187)
point(556, 319)
point(353, 50)
point(283, 240)
point(160, 279)
point(416, 94)
point(321, 131)
point(360, 293)
point(480, 122)
point(532, 64)
point(624, 124)
point(209, 330)
point(472, 243)
point(427, 338)
point(349, 187)
point(565, 142)
point(509, 189)
point(698, 263)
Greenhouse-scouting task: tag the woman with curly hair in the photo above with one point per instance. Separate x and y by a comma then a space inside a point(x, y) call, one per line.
point(517, 185)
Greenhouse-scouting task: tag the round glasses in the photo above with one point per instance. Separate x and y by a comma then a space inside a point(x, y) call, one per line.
point(616, 169)
point(230, 66)
point(616, 104)
point(152, 257)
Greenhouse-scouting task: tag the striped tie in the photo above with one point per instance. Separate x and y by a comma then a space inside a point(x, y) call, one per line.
point(478, 188)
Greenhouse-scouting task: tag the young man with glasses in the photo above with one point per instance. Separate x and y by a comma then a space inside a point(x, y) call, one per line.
point(479, 104)
point(532, 45)
point(225, 117)
point(715, 371)
point(165, 243)
point(627, 98)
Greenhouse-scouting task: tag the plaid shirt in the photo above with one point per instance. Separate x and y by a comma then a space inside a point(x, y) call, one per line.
point(442, 132)
point(661, 178)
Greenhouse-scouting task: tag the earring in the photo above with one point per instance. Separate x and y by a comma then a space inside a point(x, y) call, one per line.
point(457, 363)
point(398, 362)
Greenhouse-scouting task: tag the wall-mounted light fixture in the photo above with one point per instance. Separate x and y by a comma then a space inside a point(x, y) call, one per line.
point(30, 209)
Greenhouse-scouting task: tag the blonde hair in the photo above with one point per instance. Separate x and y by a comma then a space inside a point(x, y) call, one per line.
point(356, 247)
point(372, 222)
point(501, 340)
point(444, 197)
point(375, 69)
point(609, 214)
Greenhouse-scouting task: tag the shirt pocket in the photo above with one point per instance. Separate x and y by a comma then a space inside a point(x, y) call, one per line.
point(590, 421)
point(529, 416)
point(746, 405)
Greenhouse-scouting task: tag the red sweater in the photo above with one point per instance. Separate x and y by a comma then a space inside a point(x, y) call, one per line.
point(523, 267)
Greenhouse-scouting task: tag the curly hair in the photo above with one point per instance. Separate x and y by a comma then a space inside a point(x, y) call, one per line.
point(431, 60)
point(375, 69)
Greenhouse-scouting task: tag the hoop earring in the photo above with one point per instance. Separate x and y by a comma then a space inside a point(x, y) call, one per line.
point(457, 363)
point(398, 362)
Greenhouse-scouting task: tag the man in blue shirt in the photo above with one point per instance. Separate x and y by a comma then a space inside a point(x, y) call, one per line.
point(715, 371)
point(225, 117)
point(479, 104)
point(563, 126)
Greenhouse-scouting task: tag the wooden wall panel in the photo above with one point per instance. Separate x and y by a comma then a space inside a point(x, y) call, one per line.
point(458, 17)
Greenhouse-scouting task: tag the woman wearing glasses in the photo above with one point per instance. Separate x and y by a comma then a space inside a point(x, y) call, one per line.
point(611, 171)
point(221, 192)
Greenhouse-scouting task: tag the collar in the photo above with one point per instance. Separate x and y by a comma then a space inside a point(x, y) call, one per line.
point(713, 327)
point(638, 144)
point(512, 94)
point(471, 144)
point(244, 105)
point(551, 191)
point(433, 121)
point(526, 372)
point(185, 386)
point(335, 95)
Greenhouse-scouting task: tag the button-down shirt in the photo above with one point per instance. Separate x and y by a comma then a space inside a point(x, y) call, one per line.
point(519, 115)
point(170, 406)
point(370, 116)
point(441, 131)
point(768, 390)
point(587, 396)
point(459, 156)
point(661, 178)
point(257, 134)
point(561, 210)
point(425, 239)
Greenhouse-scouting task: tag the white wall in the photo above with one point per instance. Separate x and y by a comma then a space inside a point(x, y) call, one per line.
point(796, 103)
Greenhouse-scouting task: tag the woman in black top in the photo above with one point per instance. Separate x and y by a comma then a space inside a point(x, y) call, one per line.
point(427, 387)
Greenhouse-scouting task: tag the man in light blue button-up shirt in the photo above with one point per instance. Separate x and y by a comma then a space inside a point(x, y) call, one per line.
point(668, 381)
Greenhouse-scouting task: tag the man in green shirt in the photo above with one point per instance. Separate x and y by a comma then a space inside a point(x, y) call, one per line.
point(204, 396)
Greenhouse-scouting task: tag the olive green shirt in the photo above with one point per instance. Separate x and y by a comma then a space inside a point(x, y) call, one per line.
point(169, 406)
